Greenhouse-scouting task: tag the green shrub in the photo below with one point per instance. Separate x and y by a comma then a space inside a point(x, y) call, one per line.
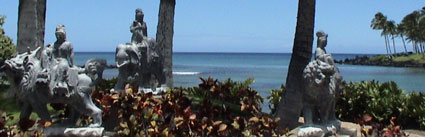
point(381, 101)
point(7, 49)
point(380, 58)
point(275, 97)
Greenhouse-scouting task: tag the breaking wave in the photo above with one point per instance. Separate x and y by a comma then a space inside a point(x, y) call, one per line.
point(186, 73)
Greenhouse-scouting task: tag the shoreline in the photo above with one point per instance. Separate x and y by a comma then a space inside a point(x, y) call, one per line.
point(382, 60)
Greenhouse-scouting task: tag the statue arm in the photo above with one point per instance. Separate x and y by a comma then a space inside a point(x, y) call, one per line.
point(319, 53)
point(71, 55)
point(145, 29)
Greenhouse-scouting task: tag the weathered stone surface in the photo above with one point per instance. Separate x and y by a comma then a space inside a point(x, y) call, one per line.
point(164, 36)
point(323, 83)
point(47, 75)
point(347, 130)
point(73, 132)
point(141, 62)
point(31, 24)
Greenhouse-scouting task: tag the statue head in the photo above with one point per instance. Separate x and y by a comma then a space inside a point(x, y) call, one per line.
point(322, 39)
point(60, 32)
point(139, 15)
point(321, 34)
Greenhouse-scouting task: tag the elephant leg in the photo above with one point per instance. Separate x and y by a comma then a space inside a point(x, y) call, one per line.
point(73, 117)
point(84, 104)
point(122, 78)
point(42, 111)
point(324, 113)
point(25, 111)
point(308, 116)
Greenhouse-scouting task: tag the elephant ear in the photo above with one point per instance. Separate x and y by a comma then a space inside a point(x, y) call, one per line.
point(73, 77)
point(132, 55)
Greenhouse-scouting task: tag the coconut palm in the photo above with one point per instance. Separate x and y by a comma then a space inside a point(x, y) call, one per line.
point(400, 32)
point(164, 36)
point(290, 106)
point(391, 29)
point(378, 23)
point(411, 24)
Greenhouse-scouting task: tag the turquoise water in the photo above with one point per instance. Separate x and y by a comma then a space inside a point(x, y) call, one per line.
point(269, 70)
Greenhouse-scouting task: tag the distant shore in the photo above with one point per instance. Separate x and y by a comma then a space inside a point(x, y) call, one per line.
point(398, 60)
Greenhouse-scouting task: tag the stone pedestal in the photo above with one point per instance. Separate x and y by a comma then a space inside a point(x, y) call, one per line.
point(73, 132)
point(347, 130)
point(154, 91)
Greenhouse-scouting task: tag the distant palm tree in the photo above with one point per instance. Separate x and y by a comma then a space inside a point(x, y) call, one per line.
point(379, 23)
point(400, 32)
point(422, 30)
point(391, 28)
point(411, 24)
point(290, 106)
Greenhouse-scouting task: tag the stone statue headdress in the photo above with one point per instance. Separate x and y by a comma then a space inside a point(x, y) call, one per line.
point(60, 28)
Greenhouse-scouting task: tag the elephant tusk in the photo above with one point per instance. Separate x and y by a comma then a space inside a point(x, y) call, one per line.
point(122, 64)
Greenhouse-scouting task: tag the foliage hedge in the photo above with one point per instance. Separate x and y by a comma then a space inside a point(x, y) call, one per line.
point(212, 109)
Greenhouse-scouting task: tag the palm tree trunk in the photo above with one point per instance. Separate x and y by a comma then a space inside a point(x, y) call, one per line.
point(404, 44)
point(414, 47)
point(395, 52)
point(387, 43)
point(164, 37)
point(289, 108)
point(386, 47)
point(31, 22)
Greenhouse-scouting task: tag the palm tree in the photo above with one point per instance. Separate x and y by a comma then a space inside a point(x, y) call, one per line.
point(290, 106)
point(400, 32)
point(422, 29)
point(378, 23)
point(391, 28)
point(164, 36)
point(411, 25)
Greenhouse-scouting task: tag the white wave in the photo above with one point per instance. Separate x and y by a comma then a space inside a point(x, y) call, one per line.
point(186, 73)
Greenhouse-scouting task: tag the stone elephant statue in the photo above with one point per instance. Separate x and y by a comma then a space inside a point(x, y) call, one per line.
point(35, 85)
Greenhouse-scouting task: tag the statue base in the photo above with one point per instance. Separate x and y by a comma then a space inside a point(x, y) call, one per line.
point(73, 132)
point(155, 91)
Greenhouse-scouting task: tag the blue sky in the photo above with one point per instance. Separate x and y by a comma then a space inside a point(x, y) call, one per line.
point(218, 25)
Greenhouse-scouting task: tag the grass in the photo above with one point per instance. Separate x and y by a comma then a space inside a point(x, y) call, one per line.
point(417, 58)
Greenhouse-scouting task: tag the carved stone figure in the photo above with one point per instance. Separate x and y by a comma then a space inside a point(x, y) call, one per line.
point(323, 85)
point(47, 75)
point(140, 62)
point(62, 48)
point(138, 28)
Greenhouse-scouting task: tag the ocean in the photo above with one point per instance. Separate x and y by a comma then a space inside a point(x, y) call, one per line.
point(268, 69)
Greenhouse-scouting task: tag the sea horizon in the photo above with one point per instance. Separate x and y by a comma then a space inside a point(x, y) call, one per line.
point(185, 52)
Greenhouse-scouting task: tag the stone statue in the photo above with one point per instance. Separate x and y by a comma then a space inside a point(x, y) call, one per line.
point(323, 85)
point(140, 63)
point(47, 75)
point(138, 28)
point(62, 48)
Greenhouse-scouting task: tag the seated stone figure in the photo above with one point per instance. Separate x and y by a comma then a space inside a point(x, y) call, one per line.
point(138, 28)
point(139, 62)
point(62, 48)
point(323, 84)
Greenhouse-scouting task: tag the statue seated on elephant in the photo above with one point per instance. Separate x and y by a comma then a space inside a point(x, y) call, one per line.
point(35, 85)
